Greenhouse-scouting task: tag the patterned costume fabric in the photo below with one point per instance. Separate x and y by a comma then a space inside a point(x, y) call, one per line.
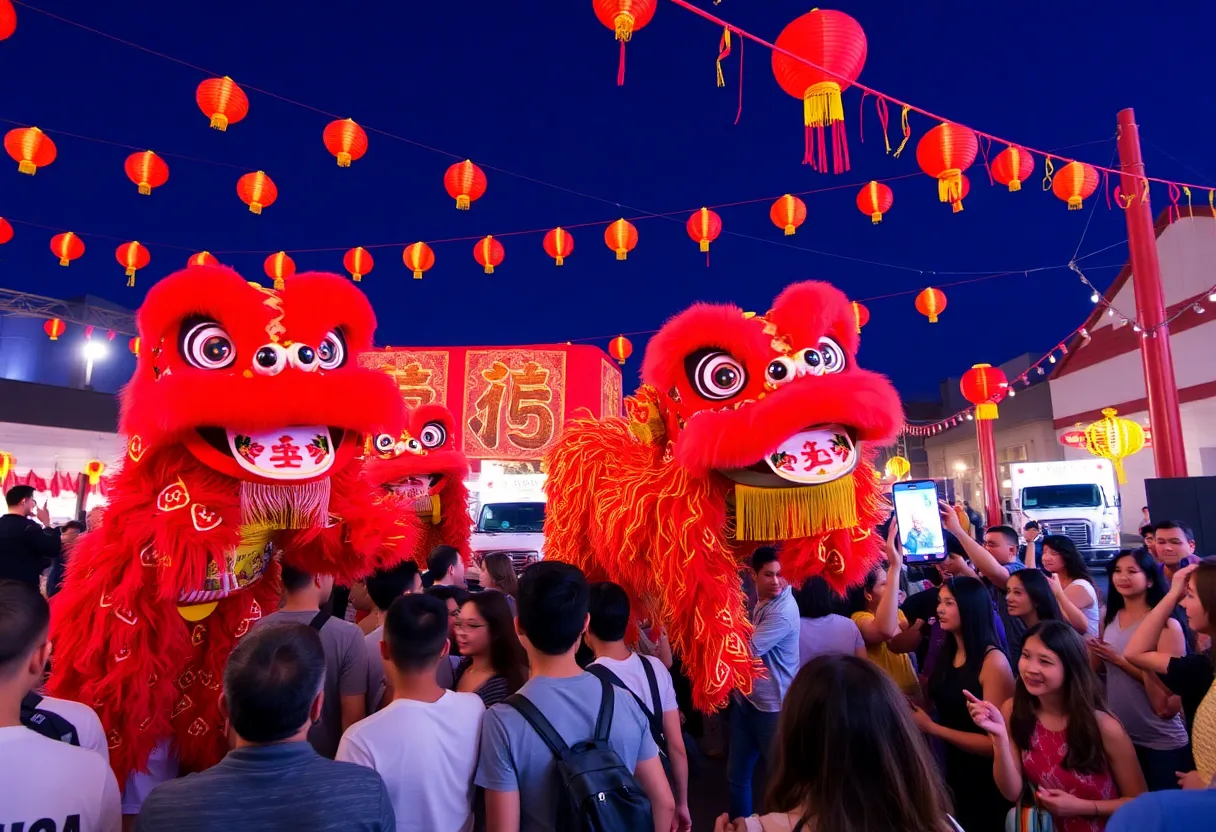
point(747, 430)
point(244, 424)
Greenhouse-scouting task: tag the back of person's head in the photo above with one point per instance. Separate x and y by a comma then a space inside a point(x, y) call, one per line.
point(816, 599)
point(18, 494)
point(384, 586)
point(295, 580)
point(1202, 589)
point(1038, 590)
point(73, 525)
point(501, 569)
point(552, 606)
point(608, 606)
point(1073, 563)
point(272, 678)
point(416, 632)
point(441, 560)
point(762, 557)
point(848, 753)
point(25, 618)
point(449, 593)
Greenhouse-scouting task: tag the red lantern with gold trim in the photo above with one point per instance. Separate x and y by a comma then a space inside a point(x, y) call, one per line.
point(257, 190)
point(222, 101)
point(559, 244)
point(624, 17)
point(1012, 166)
point(861, 315)
point(132, 256)
point(8, 25)
point(133, 346)
point(203, 258)
point(788, 213)
point(984, 385)
point(704, 226)
point(30, 147)
point(875, 199)
point(346, 140)
point(465, 183)
point(836, 42)
point(1075, 182)
point(6, 231)
point(278, 267)
point(931, 303)
point(622, 237)
point(54, 328)
point(620, 348)
point(67, 247)
point(944, 153)
point(488, 253)
point(418, 258)
point(146, 170)
point(358, 262)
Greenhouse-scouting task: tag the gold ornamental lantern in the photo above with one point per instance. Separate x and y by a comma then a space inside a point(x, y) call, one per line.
point(1114, 438)
point(898, 467)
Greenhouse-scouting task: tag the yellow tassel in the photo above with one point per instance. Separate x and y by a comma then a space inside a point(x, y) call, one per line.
point(489, 269)
point(724, 49)
point(358, 278)
point(130, 277)
point(219, 121)
point(821, 104)
point(704, 246)
point(343, 159)
point(560, 259)
point(1015, 185)
point(876, 217)
point(985, 411)
point(907, 132)
point(26, 166)
point(789, 230)
point(1074, 203)
point(933, 318)
point(145, 188)
point(621, 254)
point(278, 284)
point(787, 513)
point(255, 207)
point(63, 261)
point(957, 206)
point(462, 202)
point(1049, 170)
point(624, 26)
point(417, 274)
point(950, 185)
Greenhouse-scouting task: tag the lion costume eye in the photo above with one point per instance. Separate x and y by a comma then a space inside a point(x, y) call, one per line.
point(207, 346)
point(385, 443)
point(433, 435)
point(718, 375)
point(780, 370)
point(833, 356)
point(331, 352)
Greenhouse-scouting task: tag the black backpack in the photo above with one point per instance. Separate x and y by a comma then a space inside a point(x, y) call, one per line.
point(655, 718)
point(47, 723)
point(598, 794)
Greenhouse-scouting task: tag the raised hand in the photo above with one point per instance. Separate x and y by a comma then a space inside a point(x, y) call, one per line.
point(985, 715)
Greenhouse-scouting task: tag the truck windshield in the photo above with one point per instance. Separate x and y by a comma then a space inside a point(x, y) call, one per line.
point(1079, 495)
point(512, 517)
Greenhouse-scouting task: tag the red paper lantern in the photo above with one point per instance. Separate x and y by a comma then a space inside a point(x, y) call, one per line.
point(624, 17)
point(1012, 166)
point(621, 237)
point(346, 140)
point(559, 244)
point(488, 253)
point(836, 42)
point(222, 101)
point(133, 346)
point(418, 258)
point(358, 262)
point(31, 148)
point(861, 315)
point(875, 199)
point(279, 266)
point(203, 258)
point(465, 183)
point(704, 226)
point(944, 153)
point(256, 190)
point(984, 385)
point(146, 170)
point(1073, 183)
point(6, 231)
point(620, 348)
point(54, 328)
point(930, 303)
point(8, 25)
point(67, 247)
point(132, 256)
point(789, 213)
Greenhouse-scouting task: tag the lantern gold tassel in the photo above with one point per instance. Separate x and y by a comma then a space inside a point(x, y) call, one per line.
point(219, 121)
point(950, 185)
point(624, 27)
point(1015, 185)
point(462, 202)
point(821, 104)
point(788, 513)
point(1074, 203)
point(343, 159)
point(278, 284)
point(145, 188)
point(876, 217)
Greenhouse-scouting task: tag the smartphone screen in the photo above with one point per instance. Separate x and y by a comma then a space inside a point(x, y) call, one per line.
point(919, 520)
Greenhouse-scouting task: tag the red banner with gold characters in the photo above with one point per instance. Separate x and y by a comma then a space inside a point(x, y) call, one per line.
point(509, 402)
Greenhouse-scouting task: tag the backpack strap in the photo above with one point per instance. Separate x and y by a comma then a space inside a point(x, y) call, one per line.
point(655, 717)
point(540, 725)
point(319, 620)
point(603, 722)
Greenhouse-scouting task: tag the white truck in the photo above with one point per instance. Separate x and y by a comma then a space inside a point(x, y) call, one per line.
point(509, 516)
point(1076, 498)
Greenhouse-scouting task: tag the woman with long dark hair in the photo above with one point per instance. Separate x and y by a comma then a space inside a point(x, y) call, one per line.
point(494, 664)
point(970, 660)
point(1029, 598)
point(1056, 735)
point(1072, 584)
point(498, 573)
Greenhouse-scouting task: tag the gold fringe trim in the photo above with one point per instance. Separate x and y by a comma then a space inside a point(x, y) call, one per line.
point(789, 513)
point(285, 506)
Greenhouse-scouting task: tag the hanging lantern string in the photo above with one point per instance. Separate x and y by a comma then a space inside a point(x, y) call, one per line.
point(1192, 304)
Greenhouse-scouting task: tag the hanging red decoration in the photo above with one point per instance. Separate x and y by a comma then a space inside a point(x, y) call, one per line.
point(875, 199)
point(944, 153)
point(930, 303)
point(54, 328)
point(133, 346)
point(1074, 182)
point(279, 266)
point(788, 213)
point(6, 231)
point(984, 385)
point(30, 147)
point(620, 348)
point(836, 42)
point(67, 247)
point(222, 101)
point(256, 190)
point(624, 17)
point(465, 183)
point(963, 190)
point(861, 315)
point(346, 140)
point(418, 258)
point(488, 253)
point(203, 258)
point(704, 226)
point(358, 262)
point(559, 244)
point(132, 256)
point(622, 237)
point(8, 25)
point(93, 469)
point(146, 170)
point(1012, 166)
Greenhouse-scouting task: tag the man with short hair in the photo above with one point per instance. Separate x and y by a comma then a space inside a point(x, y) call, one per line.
point(609, 612)
point(26, 548)
point(1148, 533)
point(272, 778)
point(384, 586)
point(994, 560)
point(454, 598)
point(45, 784)
point(424, 743)
point(345, 655)
point(446, 567)
point(516, 768)
point(1175, 546)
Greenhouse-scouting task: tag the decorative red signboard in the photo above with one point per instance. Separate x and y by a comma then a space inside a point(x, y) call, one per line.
point(1075, 438)
point(510, 402)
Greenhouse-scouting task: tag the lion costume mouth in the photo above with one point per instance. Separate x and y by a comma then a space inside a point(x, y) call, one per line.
point(299, 452)
point(815, 455)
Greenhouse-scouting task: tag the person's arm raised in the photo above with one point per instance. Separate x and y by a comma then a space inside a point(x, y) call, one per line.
point(1141, 650)
point(885, 623)
point(1006, 759)
point(1071, 612)
point(984, 561)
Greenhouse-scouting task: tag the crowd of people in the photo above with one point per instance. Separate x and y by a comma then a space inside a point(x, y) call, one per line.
point(932, 699)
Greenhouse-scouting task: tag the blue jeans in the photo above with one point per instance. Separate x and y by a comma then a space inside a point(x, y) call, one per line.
point(751, 737)
point(1159, 766)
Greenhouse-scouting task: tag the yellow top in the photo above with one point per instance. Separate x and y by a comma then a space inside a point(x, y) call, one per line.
point(1203, 736)
point(897, 665)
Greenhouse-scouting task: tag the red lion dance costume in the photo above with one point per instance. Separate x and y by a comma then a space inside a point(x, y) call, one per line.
point(425, 472)
point(747, 430)
point(243, 422)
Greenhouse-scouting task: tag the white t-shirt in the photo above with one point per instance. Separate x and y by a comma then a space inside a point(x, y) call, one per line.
point(47, 784)
point(631, 672)
point(427, 754)
point(84, 719)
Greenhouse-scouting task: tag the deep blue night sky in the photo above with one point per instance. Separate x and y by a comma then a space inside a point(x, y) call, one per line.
point(530, 88)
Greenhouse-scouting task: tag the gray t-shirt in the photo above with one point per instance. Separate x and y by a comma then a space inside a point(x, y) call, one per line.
point(831, 635)
point(345, 673)
point(514, 758)
point(375, 670)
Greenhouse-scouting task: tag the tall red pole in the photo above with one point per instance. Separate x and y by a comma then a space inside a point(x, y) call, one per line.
point(1169, 455)
point(989, 472)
